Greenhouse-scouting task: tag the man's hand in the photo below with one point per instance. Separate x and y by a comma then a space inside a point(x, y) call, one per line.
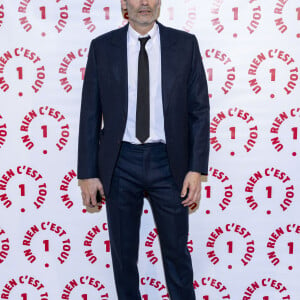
point(89, 188)
point(192, 181)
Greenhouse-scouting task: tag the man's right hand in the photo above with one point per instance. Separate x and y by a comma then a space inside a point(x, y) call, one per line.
point(89, 188)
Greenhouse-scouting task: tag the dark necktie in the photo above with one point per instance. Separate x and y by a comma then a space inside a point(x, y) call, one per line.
point(142, 126)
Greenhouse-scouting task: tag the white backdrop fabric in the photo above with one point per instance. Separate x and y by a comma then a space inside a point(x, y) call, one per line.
point(244, 236)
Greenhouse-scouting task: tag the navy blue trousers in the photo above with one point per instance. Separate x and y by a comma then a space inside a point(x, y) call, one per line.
point(146, 168)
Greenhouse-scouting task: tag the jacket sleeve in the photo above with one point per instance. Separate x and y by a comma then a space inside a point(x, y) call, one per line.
point(90, 120)
point(198, 109)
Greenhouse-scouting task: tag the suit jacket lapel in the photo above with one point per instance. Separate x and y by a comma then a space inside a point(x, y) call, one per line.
point(167, 60)
point(119, 54)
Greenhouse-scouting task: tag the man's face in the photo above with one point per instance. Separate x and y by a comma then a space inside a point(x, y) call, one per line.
point(142, 13)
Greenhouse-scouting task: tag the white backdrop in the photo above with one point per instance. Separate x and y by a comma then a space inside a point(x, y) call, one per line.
point(244, 237)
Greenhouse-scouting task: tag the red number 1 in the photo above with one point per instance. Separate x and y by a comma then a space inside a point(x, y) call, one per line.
point(291, 248)
point(295, 133)
point(230, 246)
point(43, 12)
point(45, 131)
point(269, 191)
point(235, 13)
point(106, 10)
point(210, 74)
point(298, 13)
point(46, 243)
point(232, 130)
point(82, 70)
point(22, 188)
point(20, 72)
point(208, 191)
point(272, 71)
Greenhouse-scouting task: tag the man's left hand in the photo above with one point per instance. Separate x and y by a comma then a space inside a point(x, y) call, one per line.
point(192, 184)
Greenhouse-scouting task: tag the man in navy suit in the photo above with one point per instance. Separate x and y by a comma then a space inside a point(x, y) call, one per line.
point(144, 126)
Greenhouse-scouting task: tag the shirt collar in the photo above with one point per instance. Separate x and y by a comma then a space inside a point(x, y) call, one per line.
point(133, 35)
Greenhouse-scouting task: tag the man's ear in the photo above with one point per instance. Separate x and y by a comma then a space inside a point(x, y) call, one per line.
point(123, 4)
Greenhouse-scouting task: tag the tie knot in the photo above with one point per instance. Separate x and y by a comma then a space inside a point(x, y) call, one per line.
point(144, 40)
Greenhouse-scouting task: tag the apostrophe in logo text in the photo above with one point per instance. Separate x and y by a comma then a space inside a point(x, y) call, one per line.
point(46, 242)
point(72, 69)
point(235, 130)
point(210, 288)
point(266, 289)
point(270, 188)
point(182, 14)
point(273, 72)
point(24, 287)
point(230, 244)
point(42, 127)
point(286, 22)
point(44, 17)
point(282, 246)
point(220, 82)
point(217, 192)
point(22, 187)
point(85, 287)
point(285, 131)
point(236, 18)
point(101, 245)
point(21, 72)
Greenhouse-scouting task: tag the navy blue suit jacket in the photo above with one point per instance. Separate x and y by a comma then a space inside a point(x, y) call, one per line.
point(105, 93)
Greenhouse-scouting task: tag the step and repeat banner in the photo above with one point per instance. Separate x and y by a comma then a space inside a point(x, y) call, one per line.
point(244, 234)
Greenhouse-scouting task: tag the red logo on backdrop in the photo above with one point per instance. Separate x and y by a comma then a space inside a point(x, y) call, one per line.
point(225, 79)
point(23, 69)
point(42, 17)
point(66, 190)
point(66, 68)
point(85, 287)
point(40, 238)
point(184, 12)
point(156, 288)
point(150, 239)
point(226, 16)
point(90, 246)
point(266, 288)
point(3, 132)
point(218, 190)
point(282, 245)
point(280, 69)
point(284, 130)
point(48, 122)
point(21, 285)
point(211, 288)
point(1, 14)
point(24, 183)
point(239, 238)
point(274, 184)
point(282, 20)
point(4, 245)
point(95, 10)
point(228, 128)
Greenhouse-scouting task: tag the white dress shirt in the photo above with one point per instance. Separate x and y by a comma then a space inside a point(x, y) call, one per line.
point(157, 131)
